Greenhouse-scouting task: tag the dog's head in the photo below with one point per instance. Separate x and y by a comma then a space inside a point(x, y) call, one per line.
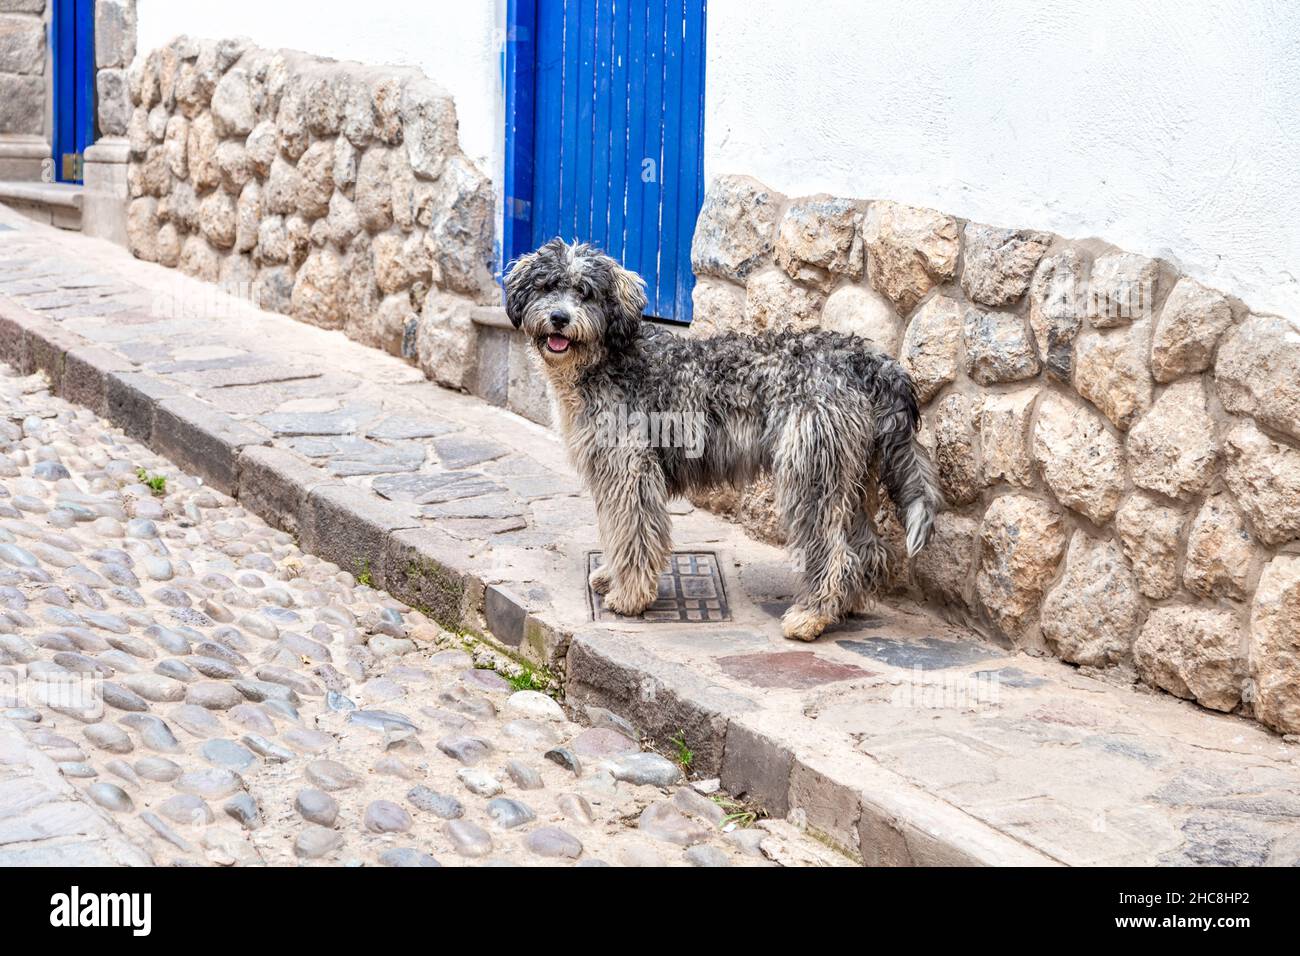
point(574, 303)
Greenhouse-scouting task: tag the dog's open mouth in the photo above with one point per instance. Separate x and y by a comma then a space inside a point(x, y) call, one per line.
point(557, 344)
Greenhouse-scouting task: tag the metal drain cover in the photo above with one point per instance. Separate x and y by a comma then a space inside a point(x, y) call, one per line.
point(690, 592)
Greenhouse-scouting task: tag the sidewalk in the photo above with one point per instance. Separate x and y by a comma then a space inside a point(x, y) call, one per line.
point(897, 737)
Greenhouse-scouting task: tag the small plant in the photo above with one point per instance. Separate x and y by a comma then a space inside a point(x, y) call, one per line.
point(743, 815)
point(526, 679)
point(364, 577)
point(156, 483)
point(685, 755)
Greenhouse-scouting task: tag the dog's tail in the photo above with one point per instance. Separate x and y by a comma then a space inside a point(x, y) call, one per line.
point(905, 467)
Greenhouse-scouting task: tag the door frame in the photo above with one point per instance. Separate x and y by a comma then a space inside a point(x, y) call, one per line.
point(72, 48)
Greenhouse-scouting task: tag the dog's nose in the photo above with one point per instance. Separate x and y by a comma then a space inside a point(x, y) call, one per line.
point(559, 319)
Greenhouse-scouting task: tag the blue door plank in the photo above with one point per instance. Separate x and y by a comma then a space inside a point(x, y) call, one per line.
point(601, 141)
point(634, 202)
point(85, 60)
point(62, 24)
point(647, 258)
point(618, 93)
point(549, 76)
point(569, 122)
point(521, 134)
point(586, 93)
point(673, 173)
point(691, 152)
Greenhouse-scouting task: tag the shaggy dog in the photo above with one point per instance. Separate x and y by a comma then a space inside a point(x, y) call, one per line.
point(829, 417)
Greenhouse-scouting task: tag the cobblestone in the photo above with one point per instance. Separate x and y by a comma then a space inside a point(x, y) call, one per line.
point(209, 736)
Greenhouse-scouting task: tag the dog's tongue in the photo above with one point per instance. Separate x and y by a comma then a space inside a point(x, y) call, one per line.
point(557, 343)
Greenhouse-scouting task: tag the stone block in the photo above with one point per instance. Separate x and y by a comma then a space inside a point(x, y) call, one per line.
point(736, 229)
point(1194, 653)
point(757, 769)
point(931, 345)
point(997, 264)
point(85, 376)
point(202, 440)
point(431, 571)
point(350, 527)
point(909, 251)
point(274, 484)
point(22, 104)
point(132, 399)
point(115, 32)
point(22, 44)
point(505, 614)
point(1257, 372)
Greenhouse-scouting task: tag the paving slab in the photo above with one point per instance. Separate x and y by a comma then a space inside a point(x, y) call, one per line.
point(897, 737)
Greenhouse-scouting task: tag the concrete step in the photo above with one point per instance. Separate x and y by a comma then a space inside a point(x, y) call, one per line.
point(57, 204)
point(898, 737)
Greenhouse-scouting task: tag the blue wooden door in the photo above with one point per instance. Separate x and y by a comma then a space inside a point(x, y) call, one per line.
point(604, 143)
point(73, 43)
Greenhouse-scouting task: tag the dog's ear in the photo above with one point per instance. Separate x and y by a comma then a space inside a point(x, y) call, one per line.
point(519, 288)
point(624, 321)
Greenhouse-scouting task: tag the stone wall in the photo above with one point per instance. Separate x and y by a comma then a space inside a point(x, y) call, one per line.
point(114, 51)
point(22, 67)
point(333, 192)
point(1119, 445)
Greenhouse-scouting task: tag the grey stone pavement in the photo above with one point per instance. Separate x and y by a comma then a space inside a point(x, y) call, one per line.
point(897, 737)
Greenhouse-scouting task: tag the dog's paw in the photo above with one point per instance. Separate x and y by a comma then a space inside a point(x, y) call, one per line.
point(622, 601)
point(801, 624)
point(601, 579)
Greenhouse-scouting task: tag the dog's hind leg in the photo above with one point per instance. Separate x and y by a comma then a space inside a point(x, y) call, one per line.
point(816, 467)
point(636, 531)
point(874, 558)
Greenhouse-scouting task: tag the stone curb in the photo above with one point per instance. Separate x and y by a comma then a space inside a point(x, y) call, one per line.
point(864, 810)
point(884, 821)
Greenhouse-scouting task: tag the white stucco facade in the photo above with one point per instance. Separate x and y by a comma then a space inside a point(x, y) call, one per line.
point(1165, 127)
point(457, 44)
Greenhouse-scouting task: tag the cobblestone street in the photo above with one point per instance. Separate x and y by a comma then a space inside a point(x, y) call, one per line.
point(262, 706)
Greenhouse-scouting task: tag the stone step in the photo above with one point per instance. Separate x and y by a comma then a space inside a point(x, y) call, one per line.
point(57, 204)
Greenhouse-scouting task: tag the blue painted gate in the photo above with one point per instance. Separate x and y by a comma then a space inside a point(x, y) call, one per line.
point(72, 39)
point(604, 139)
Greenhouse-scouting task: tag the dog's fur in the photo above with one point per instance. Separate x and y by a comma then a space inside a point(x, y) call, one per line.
point(826, 415)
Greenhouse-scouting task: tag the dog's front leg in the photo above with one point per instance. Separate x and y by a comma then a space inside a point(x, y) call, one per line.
point(636, 530)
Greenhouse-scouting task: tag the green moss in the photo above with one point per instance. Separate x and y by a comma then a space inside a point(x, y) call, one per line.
point(156, 483)
point(439, 594)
